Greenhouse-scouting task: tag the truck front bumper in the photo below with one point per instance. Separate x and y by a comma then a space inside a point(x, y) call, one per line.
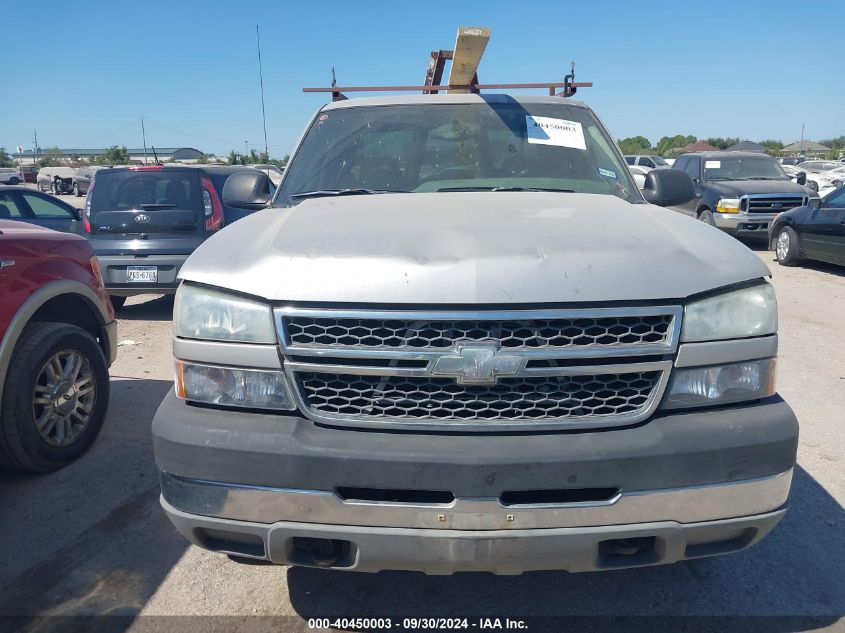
point(745, 224)
point(276, 487)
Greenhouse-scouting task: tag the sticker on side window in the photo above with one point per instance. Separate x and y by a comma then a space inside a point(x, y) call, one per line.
point(544, 130)
point(712, 164)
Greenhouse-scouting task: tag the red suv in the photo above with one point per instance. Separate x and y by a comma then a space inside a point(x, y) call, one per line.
point(57, 339)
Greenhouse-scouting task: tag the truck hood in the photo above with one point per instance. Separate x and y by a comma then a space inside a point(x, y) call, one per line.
point(471, 248)
point(737, 188)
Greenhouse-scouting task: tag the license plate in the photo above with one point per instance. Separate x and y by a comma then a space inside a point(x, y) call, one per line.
point(142, 274)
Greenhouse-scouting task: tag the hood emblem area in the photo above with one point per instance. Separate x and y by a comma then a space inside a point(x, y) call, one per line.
point(477, 364)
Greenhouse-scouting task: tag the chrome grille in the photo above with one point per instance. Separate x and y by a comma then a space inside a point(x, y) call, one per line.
point(484, 370)
point(512, 399)
point(576, 332)
point(762, 203)
point(322, 332)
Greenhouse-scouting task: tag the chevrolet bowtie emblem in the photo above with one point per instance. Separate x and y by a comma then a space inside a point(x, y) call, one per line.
point(477, 364)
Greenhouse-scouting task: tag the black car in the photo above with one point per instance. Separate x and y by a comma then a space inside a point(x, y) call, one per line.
point(740, 192)
point(145, 221)
point(815, 231)
point(34, 207)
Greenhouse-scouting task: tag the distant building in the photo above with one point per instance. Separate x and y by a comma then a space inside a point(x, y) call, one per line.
point(136, 155)
point(698, 146)
point(805, 147)
point(747, 146)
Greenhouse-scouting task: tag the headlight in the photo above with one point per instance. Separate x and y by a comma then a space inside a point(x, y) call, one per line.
point(723, 384)
point(232, 386)
point(728, 205)
point(740, 313)
point(217, 316)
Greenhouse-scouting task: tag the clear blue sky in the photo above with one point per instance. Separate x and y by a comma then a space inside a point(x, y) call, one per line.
point(88, 69)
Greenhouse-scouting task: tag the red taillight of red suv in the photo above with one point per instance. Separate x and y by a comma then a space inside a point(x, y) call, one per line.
point(212, 206)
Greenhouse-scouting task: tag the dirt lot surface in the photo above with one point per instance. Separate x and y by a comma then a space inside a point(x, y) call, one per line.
point(91, 539)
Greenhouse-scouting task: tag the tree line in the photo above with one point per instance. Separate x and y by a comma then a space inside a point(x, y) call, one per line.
point(670, 145)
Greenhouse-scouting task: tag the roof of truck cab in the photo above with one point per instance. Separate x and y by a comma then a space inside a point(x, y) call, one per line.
point(420, 99)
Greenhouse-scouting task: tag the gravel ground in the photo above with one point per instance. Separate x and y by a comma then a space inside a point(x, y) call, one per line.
point(91, 539)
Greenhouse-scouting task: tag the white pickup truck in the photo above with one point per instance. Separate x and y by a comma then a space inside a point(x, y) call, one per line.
point(462, 339)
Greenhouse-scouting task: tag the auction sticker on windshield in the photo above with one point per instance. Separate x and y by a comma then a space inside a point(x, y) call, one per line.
point(548, 131)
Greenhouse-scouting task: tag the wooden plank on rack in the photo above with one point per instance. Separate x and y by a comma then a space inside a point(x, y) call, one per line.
point(469, 47)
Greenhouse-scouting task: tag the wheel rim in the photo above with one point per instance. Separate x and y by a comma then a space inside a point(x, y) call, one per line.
point(63, 398)
point(782, 247)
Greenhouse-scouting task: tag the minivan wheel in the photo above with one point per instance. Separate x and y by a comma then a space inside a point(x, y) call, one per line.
point(706, 216)
point(55, 398)
point(117, 302)
point(14, 181)
point(786, 247)
point(54, 188)
point(76, 190)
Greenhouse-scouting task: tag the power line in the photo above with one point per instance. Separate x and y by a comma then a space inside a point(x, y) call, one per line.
point(99, 138)
point(204, 138)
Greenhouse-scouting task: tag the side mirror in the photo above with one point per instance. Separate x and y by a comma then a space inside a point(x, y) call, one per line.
point(815, 203)
point(668, 187)
point(801, 179)
point(247, 190)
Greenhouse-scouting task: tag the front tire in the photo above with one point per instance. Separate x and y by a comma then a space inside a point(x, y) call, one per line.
point(706, 216)
point(14, 181)
point(76, 191)
point(55, 398)
point(786, 247)
point(54, 188)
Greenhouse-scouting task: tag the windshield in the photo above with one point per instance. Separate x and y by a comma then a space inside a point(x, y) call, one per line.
point(743, 168)
point(659, 161)
point(457, 147)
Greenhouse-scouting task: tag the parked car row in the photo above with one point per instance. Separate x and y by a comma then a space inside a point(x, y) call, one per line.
point(801, 213)
point(172, 209)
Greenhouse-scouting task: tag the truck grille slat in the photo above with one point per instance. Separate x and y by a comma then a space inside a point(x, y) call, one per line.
point(318, 332)
point(535, 398)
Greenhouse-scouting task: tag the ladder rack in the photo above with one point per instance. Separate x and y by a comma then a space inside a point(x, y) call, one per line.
point(469, 47)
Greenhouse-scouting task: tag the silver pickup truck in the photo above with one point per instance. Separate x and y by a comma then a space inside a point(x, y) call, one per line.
point(462, 339)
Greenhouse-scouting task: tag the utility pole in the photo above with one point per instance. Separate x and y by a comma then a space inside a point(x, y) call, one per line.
point(246, 151)
point(261, 80)
point(144, 137)
point(35, 149)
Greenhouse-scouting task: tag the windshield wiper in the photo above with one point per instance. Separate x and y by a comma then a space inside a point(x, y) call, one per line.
point(506, 189)
point(763, 178)
point(341, 192)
